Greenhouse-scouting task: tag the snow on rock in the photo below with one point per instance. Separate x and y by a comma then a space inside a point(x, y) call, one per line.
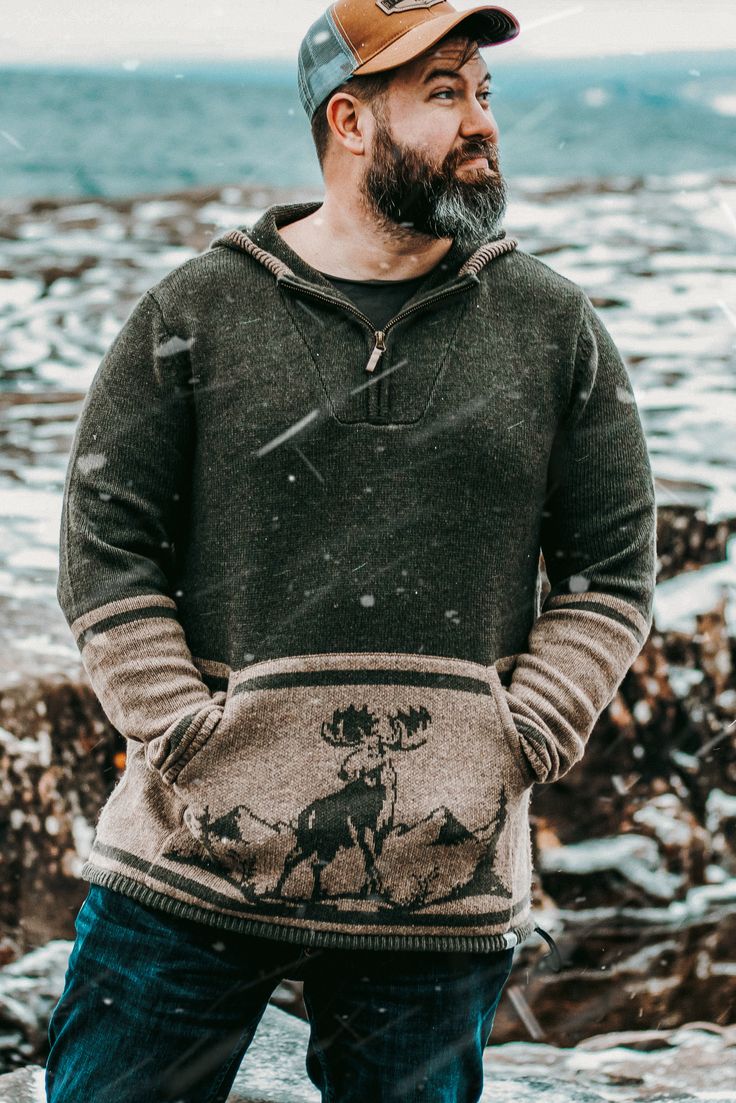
point(29, 989)
point(634, 857)
point(679, 600)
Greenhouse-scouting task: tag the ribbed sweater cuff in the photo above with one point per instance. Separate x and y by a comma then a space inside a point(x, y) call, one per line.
point(138, 661)
point(578, 653)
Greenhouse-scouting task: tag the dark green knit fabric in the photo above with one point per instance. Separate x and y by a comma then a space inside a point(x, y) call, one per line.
point(241, 489)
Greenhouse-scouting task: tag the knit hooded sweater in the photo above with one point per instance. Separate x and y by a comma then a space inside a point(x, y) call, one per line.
point(301, 560)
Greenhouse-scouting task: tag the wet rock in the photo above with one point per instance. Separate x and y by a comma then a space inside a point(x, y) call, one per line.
point(597, 870)
point(720, 820)
point(624, 966)
point(686, 539)
point(59, 759)
point(29, 991)
point(25, 1085)
point(694, 1062)
point(273, 1070)
point(68, 271)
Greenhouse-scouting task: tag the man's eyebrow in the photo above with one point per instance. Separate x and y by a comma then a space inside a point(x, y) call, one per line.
point(451, 74)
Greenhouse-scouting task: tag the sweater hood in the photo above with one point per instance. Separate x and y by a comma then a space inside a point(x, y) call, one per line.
point(263, 242)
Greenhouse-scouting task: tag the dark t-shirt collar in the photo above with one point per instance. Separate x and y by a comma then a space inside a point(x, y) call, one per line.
point(379, 300)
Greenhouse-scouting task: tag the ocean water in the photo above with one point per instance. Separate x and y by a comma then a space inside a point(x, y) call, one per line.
point(110, 133)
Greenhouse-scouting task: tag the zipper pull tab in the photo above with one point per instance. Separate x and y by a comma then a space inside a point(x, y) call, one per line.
point(378, 351)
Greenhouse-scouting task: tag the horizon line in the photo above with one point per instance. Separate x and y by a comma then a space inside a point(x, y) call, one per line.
point(196, 59)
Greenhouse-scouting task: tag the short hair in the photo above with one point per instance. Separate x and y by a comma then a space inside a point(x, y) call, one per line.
point(366, 88)
point(373, 89)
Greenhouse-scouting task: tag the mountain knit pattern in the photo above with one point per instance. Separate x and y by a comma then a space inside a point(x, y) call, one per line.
point(301, 561)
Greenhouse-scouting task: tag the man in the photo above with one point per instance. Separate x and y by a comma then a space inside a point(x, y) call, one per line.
point(300, 555)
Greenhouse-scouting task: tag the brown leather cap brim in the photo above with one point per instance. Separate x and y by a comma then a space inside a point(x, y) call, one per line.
point(421, 37)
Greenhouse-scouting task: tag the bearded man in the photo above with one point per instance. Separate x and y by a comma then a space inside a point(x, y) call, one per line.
point(300, 554)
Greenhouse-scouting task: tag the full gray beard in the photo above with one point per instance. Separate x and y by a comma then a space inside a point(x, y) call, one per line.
point(409, 198)
point(470, 221)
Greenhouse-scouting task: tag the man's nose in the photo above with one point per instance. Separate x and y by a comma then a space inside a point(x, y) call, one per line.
point(480, 123)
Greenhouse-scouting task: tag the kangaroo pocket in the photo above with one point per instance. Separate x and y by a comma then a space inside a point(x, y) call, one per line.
point(373, 780)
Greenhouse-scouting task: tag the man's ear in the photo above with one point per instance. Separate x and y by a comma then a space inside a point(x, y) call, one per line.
point(347, 117)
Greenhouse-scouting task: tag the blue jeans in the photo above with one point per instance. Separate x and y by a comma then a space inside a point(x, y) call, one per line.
point(159, 1008)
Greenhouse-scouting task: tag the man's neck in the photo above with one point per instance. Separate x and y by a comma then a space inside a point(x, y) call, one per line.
point(345, 242)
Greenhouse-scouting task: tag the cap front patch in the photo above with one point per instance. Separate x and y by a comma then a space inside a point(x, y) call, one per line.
point(390, 7)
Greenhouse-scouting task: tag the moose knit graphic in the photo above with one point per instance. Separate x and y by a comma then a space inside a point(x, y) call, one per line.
point(402, 800)
point(300, 558)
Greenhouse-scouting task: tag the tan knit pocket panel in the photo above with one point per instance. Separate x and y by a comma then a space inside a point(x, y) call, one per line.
point(366, 781)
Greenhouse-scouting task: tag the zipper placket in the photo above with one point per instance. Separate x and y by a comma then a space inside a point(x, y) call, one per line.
point(282, 272)
point(379, 335)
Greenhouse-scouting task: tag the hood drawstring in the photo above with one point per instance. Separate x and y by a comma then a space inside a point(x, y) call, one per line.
point(237, 239)
point(554, 950)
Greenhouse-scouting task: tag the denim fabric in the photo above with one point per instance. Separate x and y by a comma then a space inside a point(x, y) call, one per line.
point(159, 1008)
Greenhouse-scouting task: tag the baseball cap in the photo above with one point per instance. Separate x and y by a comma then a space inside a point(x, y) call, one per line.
point(357, 37)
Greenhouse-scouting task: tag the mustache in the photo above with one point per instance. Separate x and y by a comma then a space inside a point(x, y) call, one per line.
point(470, 152)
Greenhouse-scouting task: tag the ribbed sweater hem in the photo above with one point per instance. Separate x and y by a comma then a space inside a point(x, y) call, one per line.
point(307, 936)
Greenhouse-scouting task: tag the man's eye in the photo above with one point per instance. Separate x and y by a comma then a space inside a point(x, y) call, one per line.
point(450, 92)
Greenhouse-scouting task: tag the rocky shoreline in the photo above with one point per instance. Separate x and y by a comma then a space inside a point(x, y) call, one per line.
point(635, 849)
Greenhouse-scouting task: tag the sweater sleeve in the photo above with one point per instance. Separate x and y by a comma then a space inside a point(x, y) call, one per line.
point(598, 536)
point(124, 496)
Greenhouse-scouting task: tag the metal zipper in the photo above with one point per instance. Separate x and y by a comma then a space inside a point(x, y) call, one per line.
point(379, 335)
point(380, 347)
